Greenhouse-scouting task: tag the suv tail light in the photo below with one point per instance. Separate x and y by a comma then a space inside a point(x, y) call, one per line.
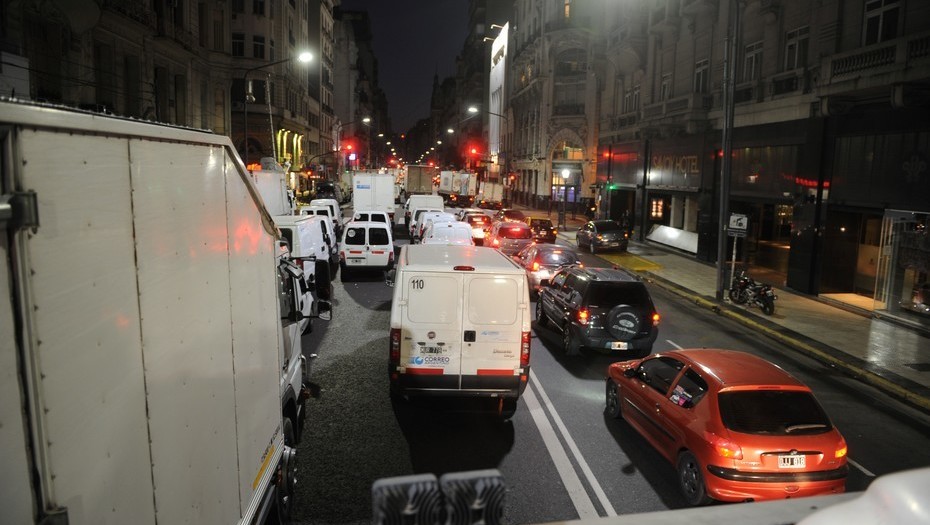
point(535, 266)
point(525, 349)
point(394, 358)
point(655, 319)
point(583, 315)
point(342, 256)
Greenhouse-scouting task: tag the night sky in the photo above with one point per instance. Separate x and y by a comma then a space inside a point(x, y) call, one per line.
point(413, 40)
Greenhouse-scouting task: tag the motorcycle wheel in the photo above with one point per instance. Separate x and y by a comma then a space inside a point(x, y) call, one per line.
point(767, 306)
point(736, 296)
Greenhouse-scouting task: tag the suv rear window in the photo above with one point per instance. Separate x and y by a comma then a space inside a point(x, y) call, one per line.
point(605, 295)
point(540, 223)
point(772, 412)
point(516, 232)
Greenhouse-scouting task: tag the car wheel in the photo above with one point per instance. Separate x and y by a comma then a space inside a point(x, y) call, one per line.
point(691, 480)
point(540, 315)
point(612, 399)
point(592, 248)
point(568, 342)
point(506, 408)
point(285, 487)
point(323, 280)
point(623, 322)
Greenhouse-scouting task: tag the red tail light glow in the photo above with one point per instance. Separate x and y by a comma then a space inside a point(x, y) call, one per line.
point(724, 447)
point(496, 242)
point(655, 319)
point(583, 316)
point(342, 256)
point(535, 266)
point(394, 358)
point(525, 349)
point(840, 449)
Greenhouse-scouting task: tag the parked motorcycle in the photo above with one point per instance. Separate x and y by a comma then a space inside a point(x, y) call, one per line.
point(745, 290)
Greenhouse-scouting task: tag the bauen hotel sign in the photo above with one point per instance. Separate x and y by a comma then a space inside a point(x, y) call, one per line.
point(683, 164)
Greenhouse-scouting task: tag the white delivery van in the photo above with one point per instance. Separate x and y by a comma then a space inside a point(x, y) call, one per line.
point(420, 201)
point(329, 232)
point(366, 245)
point(454, 232)
point(309, 249)
point(427, 218)
point(336, 210)
point(415, 223)
point(460, 325)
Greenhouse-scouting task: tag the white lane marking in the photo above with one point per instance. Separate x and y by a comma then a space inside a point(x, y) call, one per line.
point(864, 470)
point(583, 504)
point(598, 491)
point(673, 343)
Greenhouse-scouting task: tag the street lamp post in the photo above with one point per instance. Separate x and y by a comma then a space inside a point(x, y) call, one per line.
point(729, 110)
point(304, 57)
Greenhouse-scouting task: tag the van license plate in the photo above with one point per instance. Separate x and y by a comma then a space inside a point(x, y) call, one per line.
point(791, 461)
point(355, 260)
point(431, 350)
point(618, 345)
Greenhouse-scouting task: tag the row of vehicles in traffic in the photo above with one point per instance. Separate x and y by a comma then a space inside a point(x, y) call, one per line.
point(734, 426)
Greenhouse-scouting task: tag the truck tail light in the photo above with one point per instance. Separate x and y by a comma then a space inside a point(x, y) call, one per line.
point(525, 349)
point(394, 358)
point(583, 315)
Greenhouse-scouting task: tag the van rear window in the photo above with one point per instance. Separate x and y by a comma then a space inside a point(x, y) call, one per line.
point(355, 237)
point(378, 236)
point(493, 300)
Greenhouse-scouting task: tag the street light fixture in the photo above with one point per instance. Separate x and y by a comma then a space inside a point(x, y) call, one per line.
point(304, 57)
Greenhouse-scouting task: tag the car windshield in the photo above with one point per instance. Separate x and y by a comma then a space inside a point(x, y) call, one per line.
point(773, 412)
point(607, 226)
point(516, 232)
point(606, 295)
point(556, 258)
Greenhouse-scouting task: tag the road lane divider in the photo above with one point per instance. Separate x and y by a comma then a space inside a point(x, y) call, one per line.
point(573, 447)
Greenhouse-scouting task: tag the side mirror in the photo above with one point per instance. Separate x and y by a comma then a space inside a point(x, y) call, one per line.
point(389, 277)
point(630, 373)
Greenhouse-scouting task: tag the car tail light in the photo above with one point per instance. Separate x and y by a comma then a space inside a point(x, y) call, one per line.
point(525, 349)
point(724, 447)
point(342, 256)
point(583, 315)
point(655, 319)
point(535, 266)
point(496, 242)
point(555, 232)
point(391, 257)
point(394, 358)
point(840, 449)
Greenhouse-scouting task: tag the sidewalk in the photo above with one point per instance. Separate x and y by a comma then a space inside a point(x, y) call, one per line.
point(890, 357)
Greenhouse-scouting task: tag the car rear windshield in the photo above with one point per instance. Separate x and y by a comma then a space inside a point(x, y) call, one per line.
point(556, 258)
point(475, 220)
point(774, 412)
point(516, 232)
point(607, 226)
point(608, 295)
point(540, 223)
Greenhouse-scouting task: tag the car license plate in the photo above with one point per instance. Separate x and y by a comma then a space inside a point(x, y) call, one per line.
point(618, 345)
point(614, 244)
point(431, 350)
point(791, 461)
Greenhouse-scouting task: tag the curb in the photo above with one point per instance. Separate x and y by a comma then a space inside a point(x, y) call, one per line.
point(871, 378)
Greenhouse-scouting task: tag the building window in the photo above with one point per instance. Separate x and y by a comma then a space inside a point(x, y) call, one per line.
point(271, 50)
point(218, 31)
point(258, 7)
point(258, 47)
point(796, 48)
point(665, 89)
point(238, 6)
point(701, 76)
point(568, 9)
point(752, 64)
point(656, 209)
point(881, 21)
point(238, 45)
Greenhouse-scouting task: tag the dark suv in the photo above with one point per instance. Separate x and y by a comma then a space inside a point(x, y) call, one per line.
point(601, 308)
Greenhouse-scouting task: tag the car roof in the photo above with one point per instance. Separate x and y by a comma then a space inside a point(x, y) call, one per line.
point(442, 258)
point(366, 223)
point(733, 368)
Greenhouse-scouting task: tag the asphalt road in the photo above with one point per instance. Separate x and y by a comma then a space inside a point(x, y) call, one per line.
point(560, 457)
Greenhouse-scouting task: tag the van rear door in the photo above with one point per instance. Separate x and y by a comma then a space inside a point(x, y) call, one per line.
point(492, 333)
point(431, 340)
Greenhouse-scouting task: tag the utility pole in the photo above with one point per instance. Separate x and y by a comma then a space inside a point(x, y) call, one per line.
point(729, 67)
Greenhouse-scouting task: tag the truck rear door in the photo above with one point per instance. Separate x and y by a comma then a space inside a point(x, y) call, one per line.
point(492, 331)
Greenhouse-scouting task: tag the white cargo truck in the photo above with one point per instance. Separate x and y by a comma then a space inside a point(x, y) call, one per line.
point(419, 179)
point(271, 182)
point(148, 320)
point(373, 191)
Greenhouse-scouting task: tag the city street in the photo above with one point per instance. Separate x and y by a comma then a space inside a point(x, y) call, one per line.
point(560, 456)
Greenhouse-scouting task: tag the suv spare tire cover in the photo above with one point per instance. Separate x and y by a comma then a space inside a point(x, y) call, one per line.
point(623, 322)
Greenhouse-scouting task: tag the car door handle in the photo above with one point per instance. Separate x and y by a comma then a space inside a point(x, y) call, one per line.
point(469, 336)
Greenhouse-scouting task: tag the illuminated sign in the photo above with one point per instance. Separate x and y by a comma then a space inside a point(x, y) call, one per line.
point(684, 164)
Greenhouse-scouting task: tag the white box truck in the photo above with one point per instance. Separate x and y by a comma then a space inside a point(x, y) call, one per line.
point(373, 191)
point(148, 321)
point(419, 179)
point(271, 182)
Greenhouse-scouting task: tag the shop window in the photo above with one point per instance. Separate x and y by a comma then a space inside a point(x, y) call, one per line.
point(656, 209)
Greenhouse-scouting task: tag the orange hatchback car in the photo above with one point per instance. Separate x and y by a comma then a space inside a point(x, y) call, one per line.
point(737, 427)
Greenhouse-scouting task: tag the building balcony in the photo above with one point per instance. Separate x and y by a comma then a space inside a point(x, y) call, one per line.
point(619, 122)
point(132, 10)
point(688, 113)
point(899, 61)
point(698, 7)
